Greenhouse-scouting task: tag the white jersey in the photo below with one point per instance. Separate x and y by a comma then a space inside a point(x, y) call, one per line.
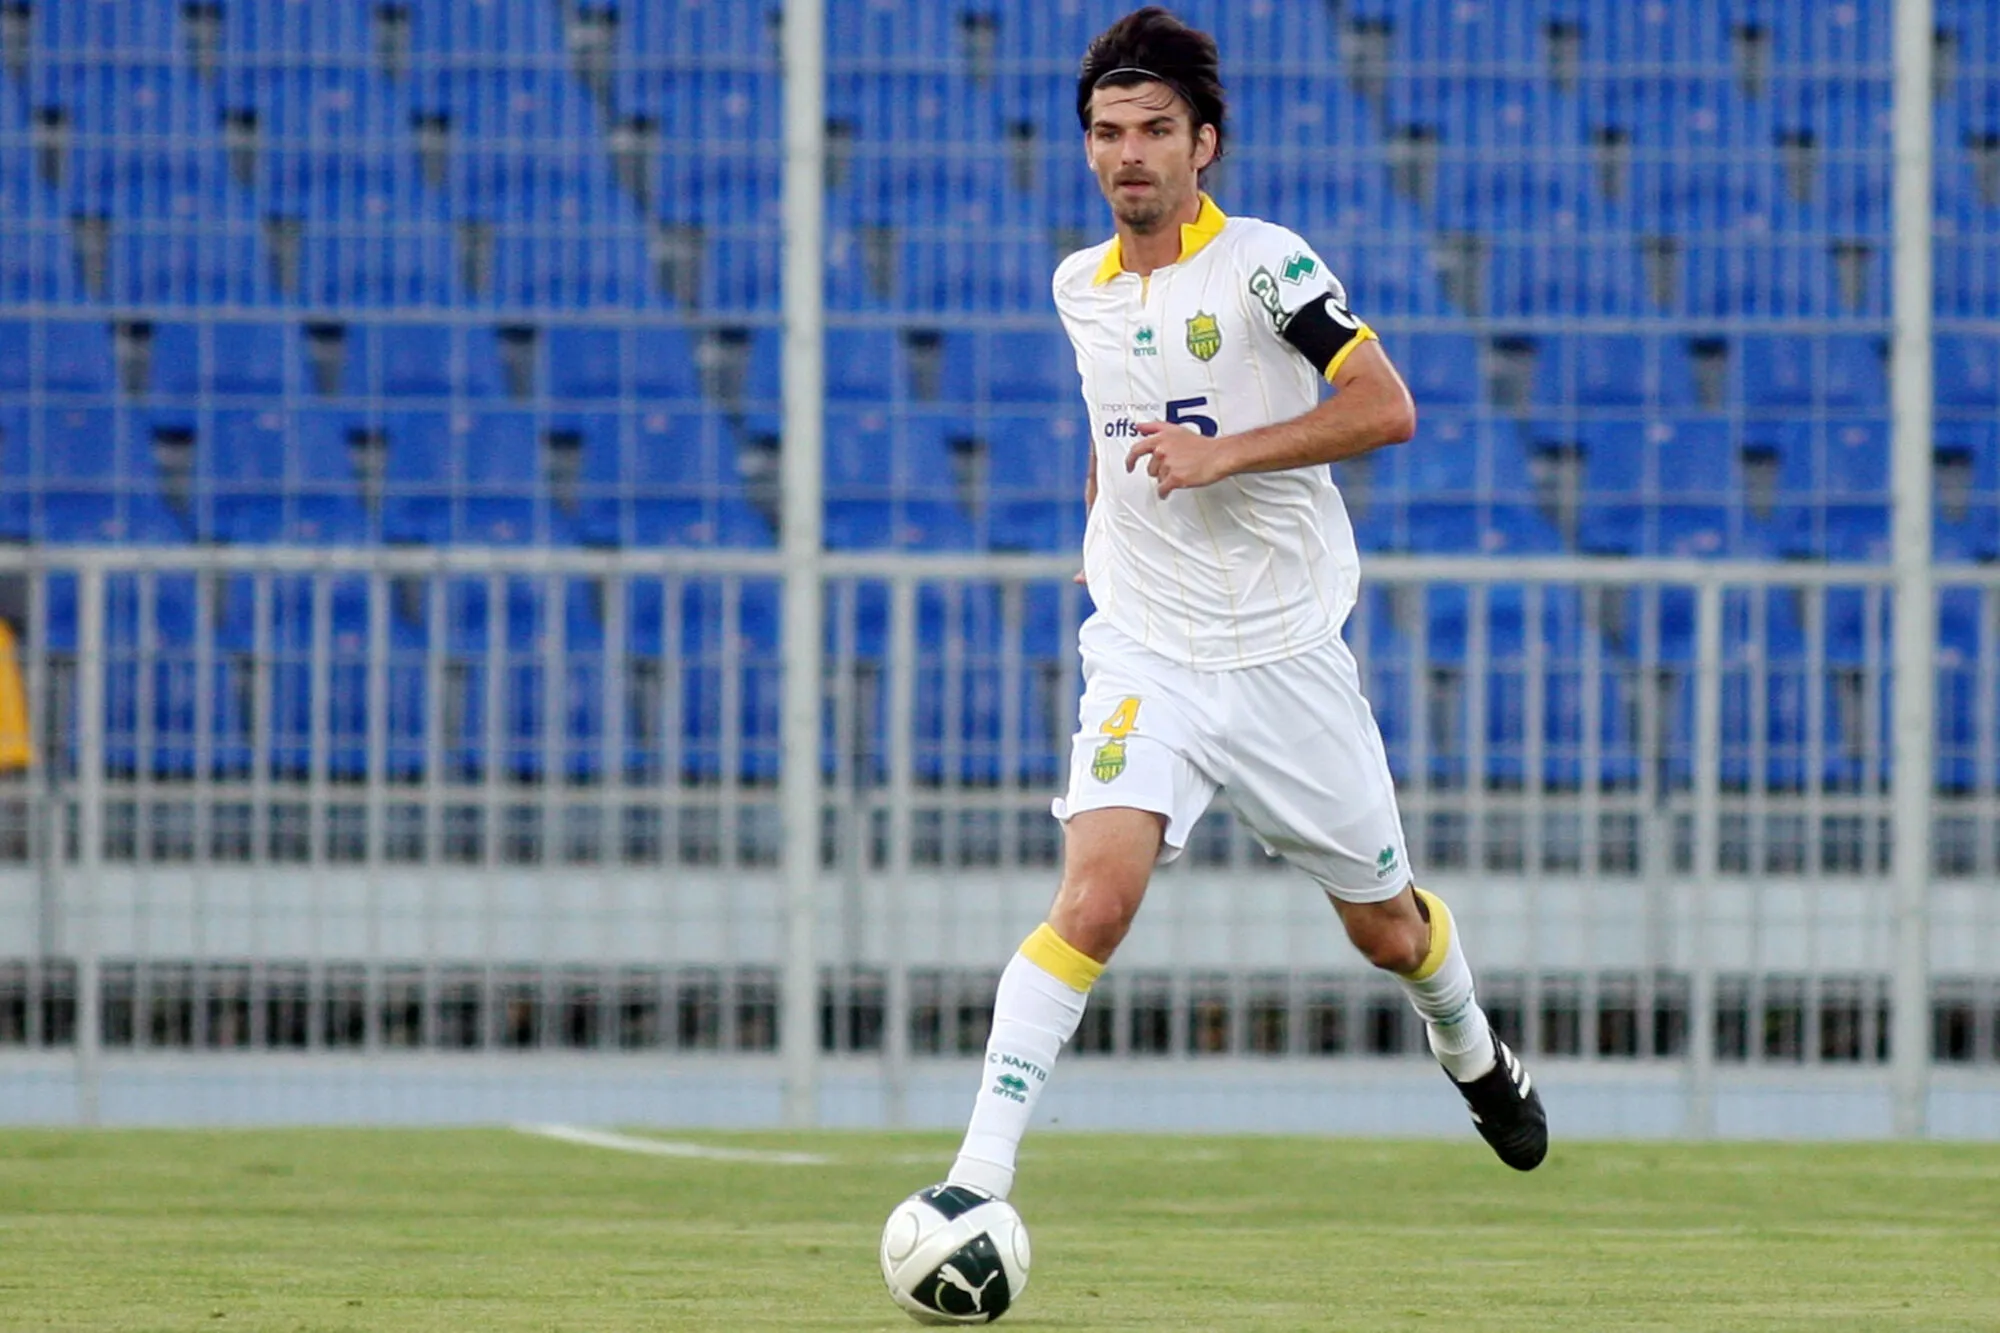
point(1254, 568)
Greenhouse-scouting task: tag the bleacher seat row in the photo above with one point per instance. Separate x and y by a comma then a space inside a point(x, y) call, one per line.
point(418, 273)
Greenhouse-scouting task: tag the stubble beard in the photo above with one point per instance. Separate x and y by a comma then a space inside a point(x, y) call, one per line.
point(1146, 215)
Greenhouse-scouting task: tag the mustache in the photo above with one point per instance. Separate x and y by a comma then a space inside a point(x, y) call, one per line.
point(1134, 178)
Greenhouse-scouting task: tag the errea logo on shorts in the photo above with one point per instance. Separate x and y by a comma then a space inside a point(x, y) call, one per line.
point(1385, 861)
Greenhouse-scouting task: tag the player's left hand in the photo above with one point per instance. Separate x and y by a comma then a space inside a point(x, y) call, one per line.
point(1176, 457)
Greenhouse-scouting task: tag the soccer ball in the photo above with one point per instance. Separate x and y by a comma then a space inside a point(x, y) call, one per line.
point(953, 1254)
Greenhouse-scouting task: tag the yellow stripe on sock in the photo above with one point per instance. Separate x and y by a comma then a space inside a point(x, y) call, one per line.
point(1061, 959)
point(1440, 916)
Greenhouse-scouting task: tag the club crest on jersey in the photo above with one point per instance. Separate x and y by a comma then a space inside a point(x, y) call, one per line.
point(1204, 337)
point(1142, 342)
point(1109, 761)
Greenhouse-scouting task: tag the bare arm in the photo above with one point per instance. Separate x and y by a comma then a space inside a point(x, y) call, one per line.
point(1370, 408)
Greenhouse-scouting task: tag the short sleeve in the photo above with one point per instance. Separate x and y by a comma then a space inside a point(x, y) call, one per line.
point(1302, 299)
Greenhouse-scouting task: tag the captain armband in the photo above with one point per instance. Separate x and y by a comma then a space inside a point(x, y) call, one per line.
point(1325, 333)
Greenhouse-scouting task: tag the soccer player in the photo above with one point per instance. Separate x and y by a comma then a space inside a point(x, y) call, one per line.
point(1222, 566)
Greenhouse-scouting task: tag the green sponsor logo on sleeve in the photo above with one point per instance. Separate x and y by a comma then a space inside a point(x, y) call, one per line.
point(1265, 288)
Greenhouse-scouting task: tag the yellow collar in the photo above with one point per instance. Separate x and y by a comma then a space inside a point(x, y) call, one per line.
point(1194, 235)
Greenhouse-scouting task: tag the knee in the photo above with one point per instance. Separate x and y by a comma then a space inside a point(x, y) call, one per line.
point(1398, 946)
point(1092, 915)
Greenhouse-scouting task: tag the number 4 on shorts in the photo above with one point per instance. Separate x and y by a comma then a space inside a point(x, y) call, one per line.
point(1109, 761)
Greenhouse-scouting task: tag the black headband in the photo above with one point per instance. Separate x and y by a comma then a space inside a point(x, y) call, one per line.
point(1172, 86)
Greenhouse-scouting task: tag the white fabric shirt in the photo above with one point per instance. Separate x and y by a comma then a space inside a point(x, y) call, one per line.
point(1257, 567)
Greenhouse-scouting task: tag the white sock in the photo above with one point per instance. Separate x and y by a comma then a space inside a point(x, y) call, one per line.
point(1441, 990)
point(1036, 1010)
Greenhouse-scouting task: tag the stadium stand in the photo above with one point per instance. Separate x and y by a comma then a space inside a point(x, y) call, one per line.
point(355, 274)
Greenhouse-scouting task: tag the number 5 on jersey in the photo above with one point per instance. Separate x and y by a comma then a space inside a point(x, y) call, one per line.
point(1109, 761)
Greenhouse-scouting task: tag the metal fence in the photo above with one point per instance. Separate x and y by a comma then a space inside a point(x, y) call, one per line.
point(489, 800)
point(524, 277)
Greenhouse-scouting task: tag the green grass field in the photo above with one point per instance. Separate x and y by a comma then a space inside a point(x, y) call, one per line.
point(491, 1230)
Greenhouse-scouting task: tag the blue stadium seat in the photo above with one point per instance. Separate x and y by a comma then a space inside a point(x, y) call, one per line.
point(889, 483)
point(403, 360)
point(1035, 466)
point(1484, 111)
point(1274, 187)
point(1690, 34)
point(686, 488)
point(654, 363)
point(407, 267)
point(1275, 111)
point(72, 31)
point(720, 621)
point(866, 365)
point(1772, 278)
point(66, 356)
point(1388, 275)
point(419, 476)
point(1439, 368)
point(502, 472)
point(1014, 273)
point(160, 99)
point(38, 265)
point(1695, 110)
point(1966, 276)
point(743, 189)
point(17, 472)
point(686, 27)
point(896, 107)
point(360, 186)
point(1856, 36)
point(148, 185)
point(707, 105)
point(1619, 370)
point(1964, 633)
point(1468, 34)
point(1010, 367)
point(1699, 493)
point(297, 30)
point(1800, 370)
point(344, 105)
point(178, 267)
point(569, 268)
point(1965, 370)
point(514, 28)
point(322, 500)
point(227, 359)
point(593, 513)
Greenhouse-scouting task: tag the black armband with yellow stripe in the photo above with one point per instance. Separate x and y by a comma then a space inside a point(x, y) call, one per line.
point(1326, 334)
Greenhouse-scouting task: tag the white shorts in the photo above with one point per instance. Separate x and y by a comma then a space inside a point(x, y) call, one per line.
point(1292, 744)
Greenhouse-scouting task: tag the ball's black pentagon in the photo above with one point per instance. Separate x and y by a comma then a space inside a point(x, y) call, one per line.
point(970, 1284)
point(954, 1201)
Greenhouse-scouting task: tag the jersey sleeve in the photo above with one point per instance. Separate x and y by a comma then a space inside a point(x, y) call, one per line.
point(1303, 301)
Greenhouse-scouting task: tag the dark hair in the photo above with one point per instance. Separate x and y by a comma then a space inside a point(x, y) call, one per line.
point(1151, 45)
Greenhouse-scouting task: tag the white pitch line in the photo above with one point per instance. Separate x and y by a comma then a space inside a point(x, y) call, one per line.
point(597, 1138)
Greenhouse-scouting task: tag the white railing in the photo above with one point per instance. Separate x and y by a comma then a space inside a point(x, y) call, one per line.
point(1658, 792)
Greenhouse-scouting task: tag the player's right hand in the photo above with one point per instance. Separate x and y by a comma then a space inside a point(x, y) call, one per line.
point(1078, 579)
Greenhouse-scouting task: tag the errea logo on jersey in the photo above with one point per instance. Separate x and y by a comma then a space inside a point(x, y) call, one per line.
point(1300, 265)
point(1142, 342)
